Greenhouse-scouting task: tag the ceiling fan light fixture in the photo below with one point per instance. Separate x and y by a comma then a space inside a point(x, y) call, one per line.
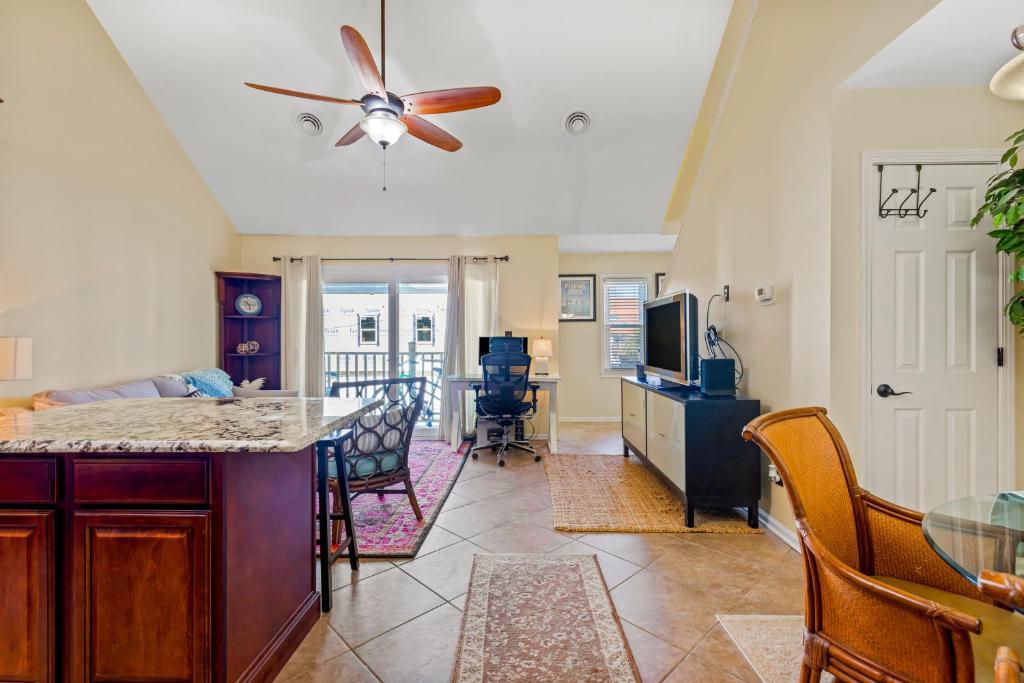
point(383, 127)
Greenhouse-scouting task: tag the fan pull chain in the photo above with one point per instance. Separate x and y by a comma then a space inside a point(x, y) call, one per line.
point(385, 153)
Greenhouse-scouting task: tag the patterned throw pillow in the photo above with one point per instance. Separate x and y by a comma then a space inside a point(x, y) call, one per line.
point(212, 383)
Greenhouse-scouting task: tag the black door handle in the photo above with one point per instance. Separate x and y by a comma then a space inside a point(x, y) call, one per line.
point(885, 391)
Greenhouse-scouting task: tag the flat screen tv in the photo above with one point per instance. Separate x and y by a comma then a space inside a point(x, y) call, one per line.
point(670, 338)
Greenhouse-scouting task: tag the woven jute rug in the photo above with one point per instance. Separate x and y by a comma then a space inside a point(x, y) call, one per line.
point(772, 645)
point(612, 493)
point(540, 618)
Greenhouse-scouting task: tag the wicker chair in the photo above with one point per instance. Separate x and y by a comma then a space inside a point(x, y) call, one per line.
point(377, 455)
point(1008, 668)
point(879, 604)
point(1007, 589)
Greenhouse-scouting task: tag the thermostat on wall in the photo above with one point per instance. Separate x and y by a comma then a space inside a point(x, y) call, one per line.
point(765, 294)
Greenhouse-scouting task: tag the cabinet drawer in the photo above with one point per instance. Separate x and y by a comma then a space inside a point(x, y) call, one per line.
point(634, 416)
point(24, 480)
point(666, 440)
point(140, 481)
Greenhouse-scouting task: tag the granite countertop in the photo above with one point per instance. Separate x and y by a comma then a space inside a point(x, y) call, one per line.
point(183, 425)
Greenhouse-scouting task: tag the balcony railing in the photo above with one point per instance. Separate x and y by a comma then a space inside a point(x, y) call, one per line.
point(354, 366)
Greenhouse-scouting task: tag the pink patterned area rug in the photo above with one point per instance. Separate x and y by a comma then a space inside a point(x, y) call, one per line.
point(388, 528)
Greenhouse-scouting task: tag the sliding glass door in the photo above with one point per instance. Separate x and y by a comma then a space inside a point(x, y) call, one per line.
point(386, 320)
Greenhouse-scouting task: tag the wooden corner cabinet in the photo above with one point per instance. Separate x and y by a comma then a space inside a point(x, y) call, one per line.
point(694, 444)
point(237, 328)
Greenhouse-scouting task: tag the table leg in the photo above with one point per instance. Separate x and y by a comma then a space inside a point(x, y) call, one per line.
point(553, 419)
point(456, 423)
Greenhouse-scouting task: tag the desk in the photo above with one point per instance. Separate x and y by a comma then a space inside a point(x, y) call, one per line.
point(458, 385)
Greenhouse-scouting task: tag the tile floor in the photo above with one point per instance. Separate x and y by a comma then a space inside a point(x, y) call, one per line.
point(399, 621)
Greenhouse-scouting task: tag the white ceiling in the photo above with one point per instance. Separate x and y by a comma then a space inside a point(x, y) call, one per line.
point(639, 68)
point(959, 42)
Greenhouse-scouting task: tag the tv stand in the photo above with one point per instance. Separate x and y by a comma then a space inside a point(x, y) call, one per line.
point(694, 444)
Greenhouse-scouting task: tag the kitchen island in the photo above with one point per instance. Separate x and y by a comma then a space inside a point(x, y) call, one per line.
point(160, 539)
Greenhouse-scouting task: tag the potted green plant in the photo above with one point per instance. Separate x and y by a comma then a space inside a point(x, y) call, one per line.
point(1004, 201)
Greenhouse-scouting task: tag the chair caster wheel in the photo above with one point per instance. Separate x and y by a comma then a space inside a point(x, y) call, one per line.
point(476, 455)
point(501, 463)
point(536, 458)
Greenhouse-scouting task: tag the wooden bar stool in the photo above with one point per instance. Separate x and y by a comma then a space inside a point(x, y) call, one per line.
point(333, 447)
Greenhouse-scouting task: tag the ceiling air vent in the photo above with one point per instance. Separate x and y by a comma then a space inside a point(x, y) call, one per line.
point(309, 124)
point(577, 123)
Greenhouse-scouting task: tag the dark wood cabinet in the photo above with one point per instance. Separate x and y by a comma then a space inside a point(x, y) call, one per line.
point(26, 596)
point(263, 328)
point(159, 628)
point(167, 567)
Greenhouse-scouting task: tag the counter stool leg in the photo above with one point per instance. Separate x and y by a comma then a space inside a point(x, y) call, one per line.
point(350, 527)
point(752, 516)
point(323, 520)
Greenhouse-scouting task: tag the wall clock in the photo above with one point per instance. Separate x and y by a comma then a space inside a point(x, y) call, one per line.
point(248, 304)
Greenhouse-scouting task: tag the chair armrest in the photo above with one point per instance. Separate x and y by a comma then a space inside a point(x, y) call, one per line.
point(843, 605)
point(898, 549)
point(533, 393)
point(1006, 588)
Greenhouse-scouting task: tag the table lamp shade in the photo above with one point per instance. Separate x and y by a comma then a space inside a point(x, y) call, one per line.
point(542, 348)
point(542, 351)
point(15, 358)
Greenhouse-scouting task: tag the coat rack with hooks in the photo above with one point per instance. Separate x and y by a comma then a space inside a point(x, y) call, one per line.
point(902, 211)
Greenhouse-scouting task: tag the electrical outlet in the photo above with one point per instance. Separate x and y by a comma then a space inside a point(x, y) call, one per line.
point(725, 292)
point(773, 475)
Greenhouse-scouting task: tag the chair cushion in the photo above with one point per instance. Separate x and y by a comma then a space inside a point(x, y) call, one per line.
point(365, 465)
point(998, 626)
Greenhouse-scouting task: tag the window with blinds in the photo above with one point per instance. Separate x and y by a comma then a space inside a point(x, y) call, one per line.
point(622, 325)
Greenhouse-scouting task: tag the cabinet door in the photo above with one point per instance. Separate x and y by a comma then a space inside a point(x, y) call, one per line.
point(666, 429)
point(634, 415)
point(26, 596)
point(140, 597)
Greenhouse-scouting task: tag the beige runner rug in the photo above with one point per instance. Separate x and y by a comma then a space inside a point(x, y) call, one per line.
point(612, 493)
point(772, 645)
point(540, 618)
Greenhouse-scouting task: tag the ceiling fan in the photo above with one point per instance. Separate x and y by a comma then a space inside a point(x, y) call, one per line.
point(389, 116)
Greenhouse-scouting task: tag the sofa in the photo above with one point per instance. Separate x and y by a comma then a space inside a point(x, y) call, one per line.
point(159, 386)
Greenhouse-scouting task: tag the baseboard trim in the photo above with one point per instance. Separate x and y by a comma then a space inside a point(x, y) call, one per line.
point(787, 535)
point(589, 419)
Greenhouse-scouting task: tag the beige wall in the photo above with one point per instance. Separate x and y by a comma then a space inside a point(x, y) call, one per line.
point(880, 120)
point(762, 210)
point(108, 236)
point(529, 281)
point(585, 393)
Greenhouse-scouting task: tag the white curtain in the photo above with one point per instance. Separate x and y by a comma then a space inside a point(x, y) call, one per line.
point(454, 339)
point(480, 309)
point(302, 326)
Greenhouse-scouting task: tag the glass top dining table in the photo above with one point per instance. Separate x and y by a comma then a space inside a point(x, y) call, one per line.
point(980, 532)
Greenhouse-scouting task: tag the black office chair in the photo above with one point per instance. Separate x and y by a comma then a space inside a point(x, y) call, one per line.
point(506, 383)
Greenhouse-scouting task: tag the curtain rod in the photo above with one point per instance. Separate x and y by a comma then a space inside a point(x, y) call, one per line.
point(398, 258)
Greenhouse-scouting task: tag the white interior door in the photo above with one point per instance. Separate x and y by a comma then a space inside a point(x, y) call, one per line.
point(934, 333)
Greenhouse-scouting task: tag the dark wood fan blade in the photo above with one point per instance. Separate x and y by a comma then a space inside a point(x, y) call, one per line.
point(455, 99)
point(362, 61)
point(431, 134)
point(351, 136)
point(304, 95)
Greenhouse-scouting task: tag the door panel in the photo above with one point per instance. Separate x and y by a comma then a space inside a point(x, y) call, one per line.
point(934, 333)
point(140, 605)
point(26, 596)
